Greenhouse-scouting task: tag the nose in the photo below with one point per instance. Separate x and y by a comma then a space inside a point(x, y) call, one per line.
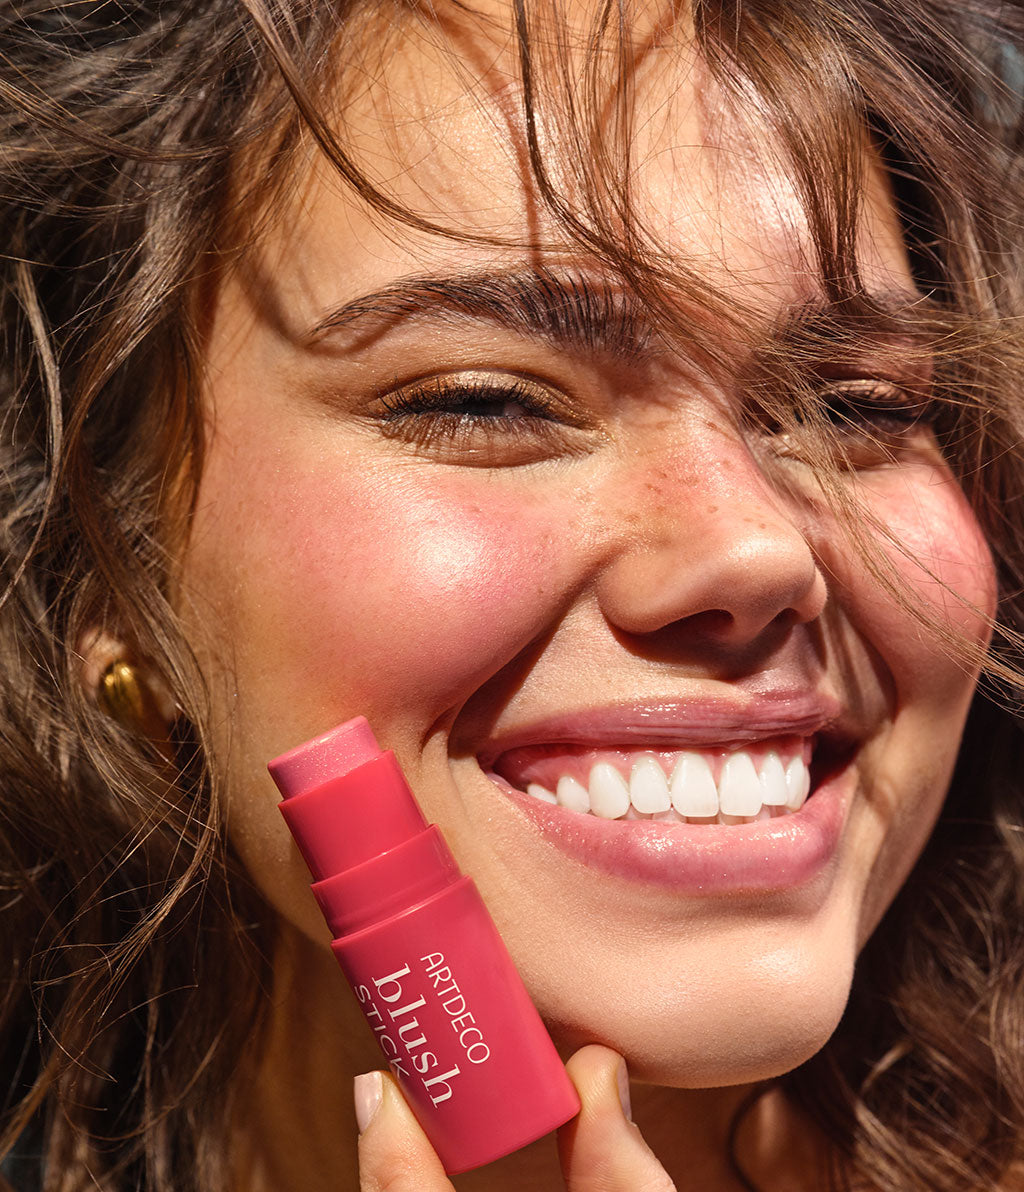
point(713, 549)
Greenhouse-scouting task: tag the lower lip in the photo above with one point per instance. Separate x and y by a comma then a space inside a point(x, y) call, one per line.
point(714, 859)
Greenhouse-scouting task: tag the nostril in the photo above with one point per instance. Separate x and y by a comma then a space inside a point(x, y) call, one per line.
point(726, 627)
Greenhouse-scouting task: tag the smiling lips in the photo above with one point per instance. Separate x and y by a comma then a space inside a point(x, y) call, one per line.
point(703, 797)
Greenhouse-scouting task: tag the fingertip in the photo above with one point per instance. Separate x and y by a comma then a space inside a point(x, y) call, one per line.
point(394, 1152)
point(598, 1073)
point(602, 1148)
point(367, 1093)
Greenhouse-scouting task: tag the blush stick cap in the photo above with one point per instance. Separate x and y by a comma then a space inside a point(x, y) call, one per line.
point(331, 755)
point(345, 801)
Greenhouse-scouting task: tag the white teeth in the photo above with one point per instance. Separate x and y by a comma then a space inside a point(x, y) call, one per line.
point(648, 787)
point(572, 794)
point(773, 781)
point(798, 784)
point(609, 792)
point(693, 788)
point(739, 792)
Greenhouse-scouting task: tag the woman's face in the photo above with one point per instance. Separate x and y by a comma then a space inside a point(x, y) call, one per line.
point(488, 508)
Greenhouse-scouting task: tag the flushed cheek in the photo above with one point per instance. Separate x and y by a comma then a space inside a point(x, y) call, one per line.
point(944, 567)
point(387, 593)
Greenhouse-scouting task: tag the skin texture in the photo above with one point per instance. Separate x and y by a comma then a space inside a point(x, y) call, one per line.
point(456, 589)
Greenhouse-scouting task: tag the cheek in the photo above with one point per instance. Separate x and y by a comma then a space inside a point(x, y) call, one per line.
point(415, 590)
point(941, 564)
point(383, 594)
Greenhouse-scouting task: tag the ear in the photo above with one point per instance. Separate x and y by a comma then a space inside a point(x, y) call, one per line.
point(124, 686)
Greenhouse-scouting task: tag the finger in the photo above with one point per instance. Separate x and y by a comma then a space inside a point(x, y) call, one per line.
point(601, 1150)
point(394, 1153)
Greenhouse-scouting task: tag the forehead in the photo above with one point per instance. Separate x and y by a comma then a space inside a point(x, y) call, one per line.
point(433, 113)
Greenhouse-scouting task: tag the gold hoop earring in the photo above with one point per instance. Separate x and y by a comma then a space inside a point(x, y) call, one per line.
point(121, 694)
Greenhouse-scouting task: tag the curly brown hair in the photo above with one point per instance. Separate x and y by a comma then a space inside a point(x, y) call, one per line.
point(140, 146)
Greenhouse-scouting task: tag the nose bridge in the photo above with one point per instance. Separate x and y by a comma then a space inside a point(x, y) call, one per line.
point(701, 533)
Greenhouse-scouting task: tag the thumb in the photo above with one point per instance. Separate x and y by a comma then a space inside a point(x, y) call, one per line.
point(601, 1150)
point(394, 1153)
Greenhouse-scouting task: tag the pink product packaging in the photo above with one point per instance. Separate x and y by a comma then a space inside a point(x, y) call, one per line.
point(415, 941)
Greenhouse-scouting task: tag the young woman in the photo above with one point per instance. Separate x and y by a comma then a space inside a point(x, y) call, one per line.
point(598, 398)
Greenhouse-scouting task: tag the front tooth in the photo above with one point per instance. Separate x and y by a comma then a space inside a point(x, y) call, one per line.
point(693, 788)
point(540, 792)
point(773, 781)
point(609, 793)
point(648, 787)
point(739, 792)
point(798, 784)
point(572, 795)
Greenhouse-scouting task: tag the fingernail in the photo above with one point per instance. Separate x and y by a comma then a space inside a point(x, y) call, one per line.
point(368, 1092)
point(622, 1077)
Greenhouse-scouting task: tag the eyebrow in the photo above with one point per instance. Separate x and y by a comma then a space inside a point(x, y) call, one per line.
point(573, 311)
point(585, 314)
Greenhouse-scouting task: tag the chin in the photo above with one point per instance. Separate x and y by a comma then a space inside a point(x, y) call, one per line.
point(737, 1026)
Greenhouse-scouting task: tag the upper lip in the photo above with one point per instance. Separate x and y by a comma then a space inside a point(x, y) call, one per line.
point(675, 722)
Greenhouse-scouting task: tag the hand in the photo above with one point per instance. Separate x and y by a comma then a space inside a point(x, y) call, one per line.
point(600, 1150)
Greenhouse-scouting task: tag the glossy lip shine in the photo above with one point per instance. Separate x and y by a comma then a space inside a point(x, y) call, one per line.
point(779, 854)
point(696, 859)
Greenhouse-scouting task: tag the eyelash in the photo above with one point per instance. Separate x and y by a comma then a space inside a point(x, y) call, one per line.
point(439, 413)
point(882, 405)
point(444, 394)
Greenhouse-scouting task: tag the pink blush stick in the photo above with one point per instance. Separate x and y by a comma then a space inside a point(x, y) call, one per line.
point(415, 941)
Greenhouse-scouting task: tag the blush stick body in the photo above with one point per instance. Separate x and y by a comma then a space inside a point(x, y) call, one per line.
point(416, 943)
